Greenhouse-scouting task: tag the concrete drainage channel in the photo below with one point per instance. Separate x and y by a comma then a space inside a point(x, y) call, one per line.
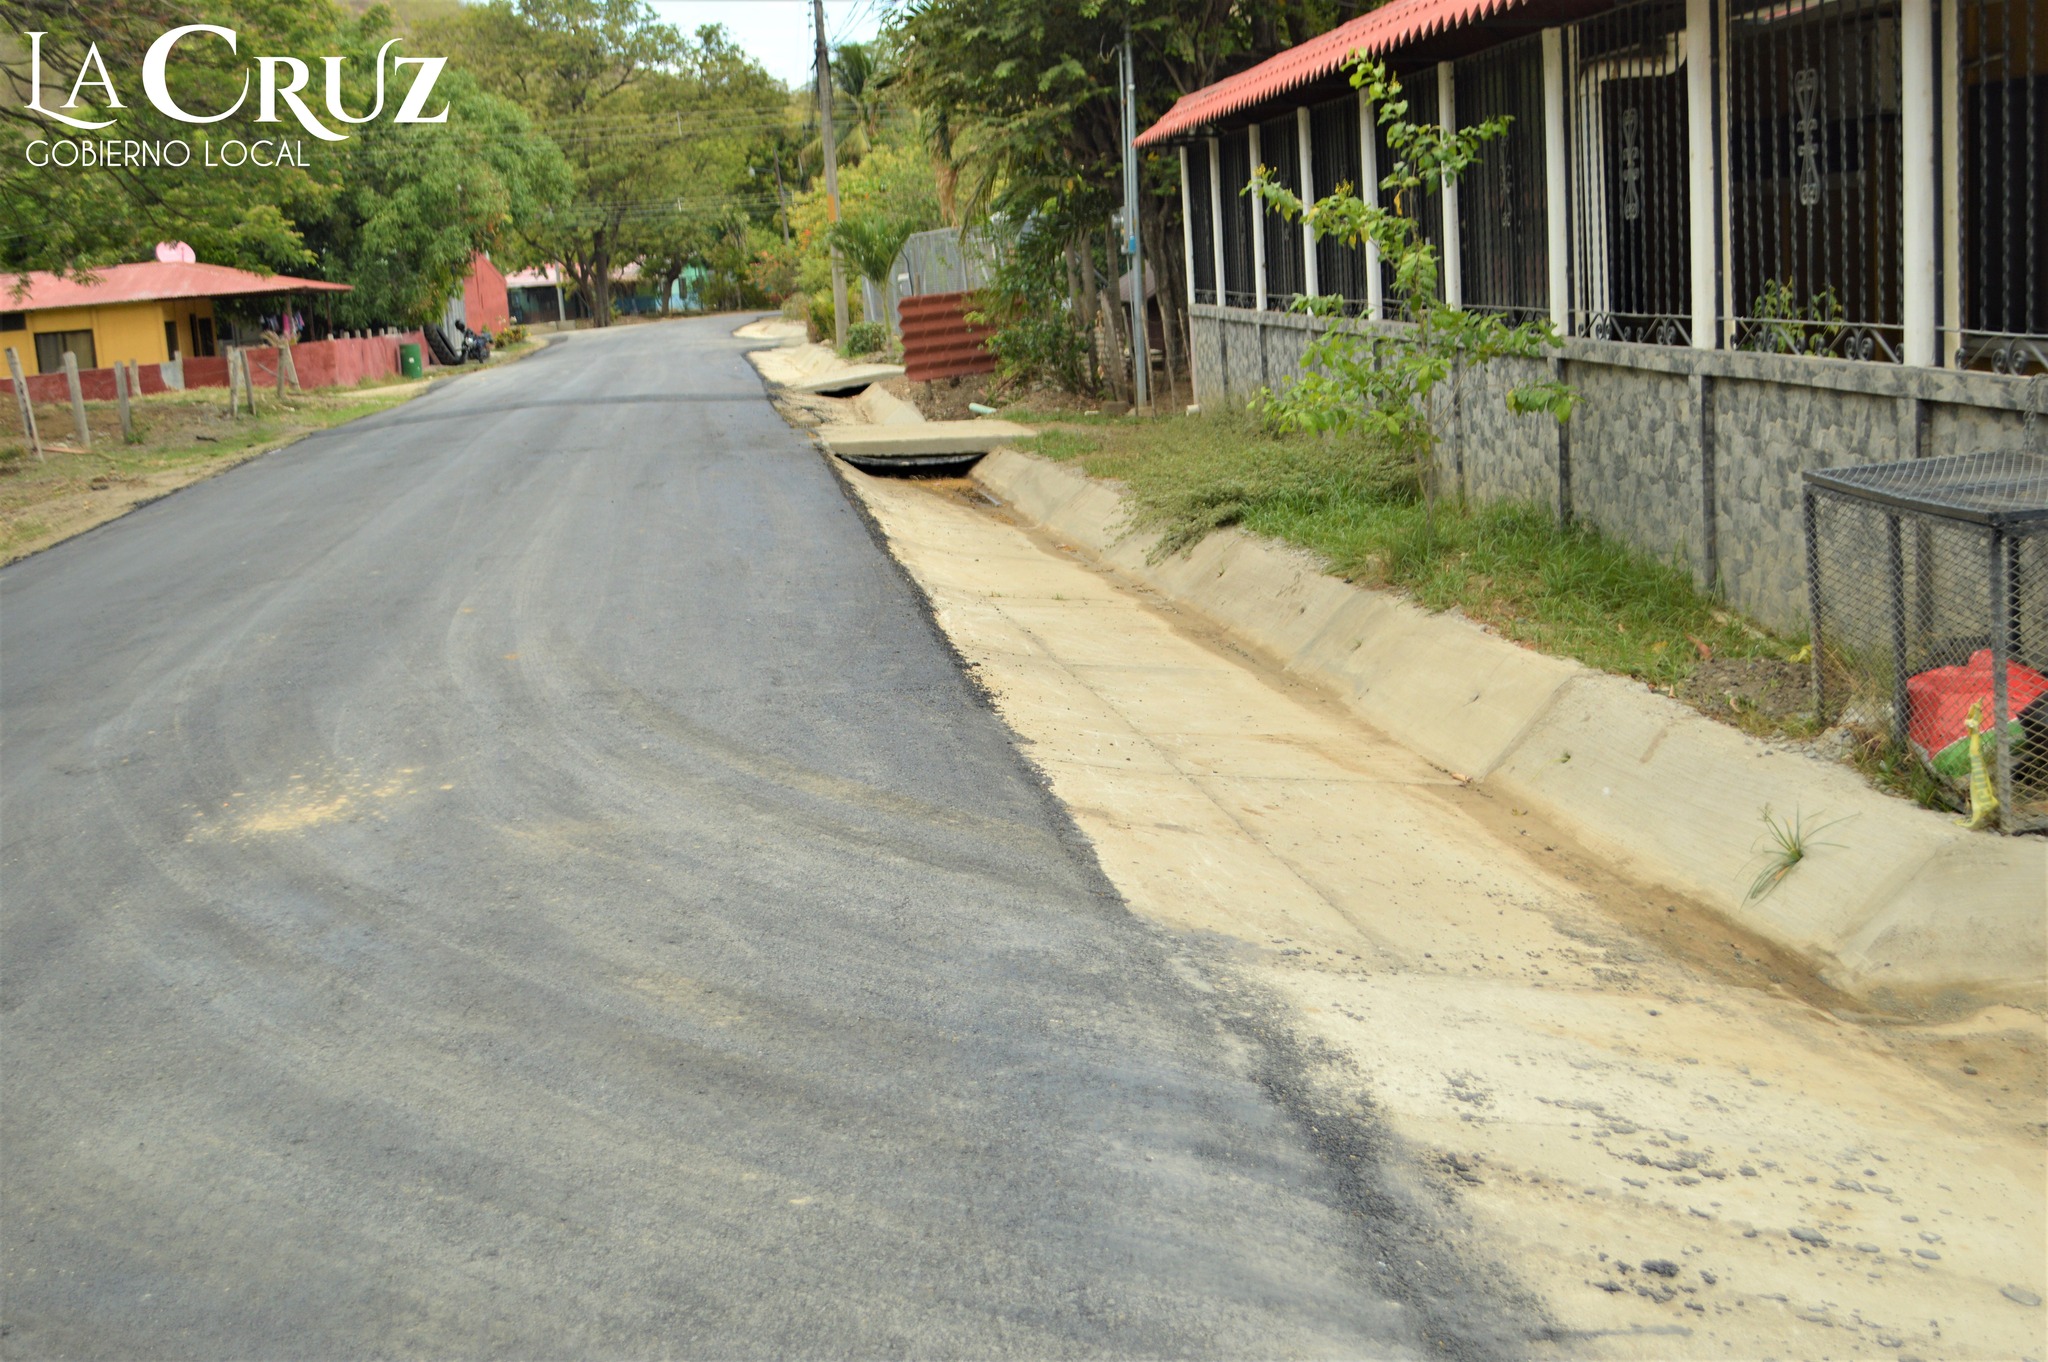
point(859, 421)
point(1903, 910)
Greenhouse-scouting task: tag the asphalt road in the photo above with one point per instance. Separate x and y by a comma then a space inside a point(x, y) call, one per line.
point(522, 876)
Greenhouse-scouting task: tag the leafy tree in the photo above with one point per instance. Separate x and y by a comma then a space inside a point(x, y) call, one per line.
point(75, 219)
point(418, 201)
point(1382, 380)
point(656, 128)
point(1019, 99)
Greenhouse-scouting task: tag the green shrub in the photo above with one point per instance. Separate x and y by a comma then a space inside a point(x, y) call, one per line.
point(821, 314)
point(866, 338)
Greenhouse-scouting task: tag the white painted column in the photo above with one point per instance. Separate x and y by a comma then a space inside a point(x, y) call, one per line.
point(1258, 229)
point(1216, 212)
point(1447, 118)
point(1917, 152)
point(1556, 194)
point(1187, 225)
point(1950, 123)
point(1369, 191)
point(1311, 282)
point(1702, 215)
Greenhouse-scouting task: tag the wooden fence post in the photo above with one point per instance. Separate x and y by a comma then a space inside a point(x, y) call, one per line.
point(27, 405)
point(121, 403)
point(77, 400)
point(287, 365)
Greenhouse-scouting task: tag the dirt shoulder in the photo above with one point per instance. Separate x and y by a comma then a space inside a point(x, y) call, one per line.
point(181, 438)
point(1679, 1142)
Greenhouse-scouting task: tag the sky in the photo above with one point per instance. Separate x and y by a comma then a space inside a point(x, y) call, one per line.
point(778, 32)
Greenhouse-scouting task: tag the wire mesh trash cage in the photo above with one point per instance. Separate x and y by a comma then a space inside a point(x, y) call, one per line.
point(1927, 582)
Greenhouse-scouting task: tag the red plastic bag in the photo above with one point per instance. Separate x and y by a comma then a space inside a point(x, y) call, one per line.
point(1939, 700)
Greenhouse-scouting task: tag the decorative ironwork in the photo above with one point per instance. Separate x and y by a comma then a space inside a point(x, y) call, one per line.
point(1806, 89)
point(1815, 177)
point(1631, 165)
point(1631, 228)
point(2018, 355)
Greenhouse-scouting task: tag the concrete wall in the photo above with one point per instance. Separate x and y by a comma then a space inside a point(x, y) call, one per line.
point(341, 362)
point(485, 301)
point(1690, 455)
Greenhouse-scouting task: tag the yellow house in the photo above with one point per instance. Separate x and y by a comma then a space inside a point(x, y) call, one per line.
point(152, 312)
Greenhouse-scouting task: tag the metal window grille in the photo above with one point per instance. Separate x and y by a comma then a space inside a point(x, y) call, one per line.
point(1928, 586)
point(1235, 157)
point(1502, 238)
point(1201, 226)
point(1419, 88)
point(2002, 220)
point(1813, 96)
point(1631, 272)
point(1337, 159)
point(1286, 271)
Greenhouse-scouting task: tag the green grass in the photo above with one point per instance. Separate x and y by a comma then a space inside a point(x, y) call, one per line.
point(1572, 592)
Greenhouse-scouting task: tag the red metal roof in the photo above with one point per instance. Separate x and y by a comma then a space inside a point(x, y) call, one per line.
point(149, 281)
point(1381, 30)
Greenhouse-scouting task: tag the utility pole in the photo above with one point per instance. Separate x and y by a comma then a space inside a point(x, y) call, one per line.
point(1141, 345)
point(781, 203)
point(831, 176)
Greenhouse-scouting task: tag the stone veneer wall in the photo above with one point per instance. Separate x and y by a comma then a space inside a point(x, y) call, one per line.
point(1692, 455)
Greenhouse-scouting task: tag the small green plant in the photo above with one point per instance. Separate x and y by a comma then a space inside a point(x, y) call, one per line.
point(512, 334)
point(865, 338)
point(1784, 845)
point(1787, 326)
point(1381, 380)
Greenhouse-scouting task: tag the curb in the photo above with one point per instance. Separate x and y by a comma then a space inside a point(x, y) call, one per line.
point(1901, 908)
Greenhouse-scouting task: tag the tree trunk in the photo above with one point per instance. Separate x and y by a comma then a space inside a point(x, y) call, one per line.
point(1089, 292)
point(1154, 228)
point(1116, 377)
point(1120, 323)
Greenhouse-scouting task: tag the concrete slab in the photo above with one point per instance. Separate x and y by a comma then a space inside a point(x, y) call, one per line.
point(921, 438)
point(777, 331)
point(818, 369)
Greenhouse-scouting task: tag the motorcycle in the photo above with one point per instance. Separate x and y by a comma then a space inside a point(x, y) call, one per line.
point(476, 345)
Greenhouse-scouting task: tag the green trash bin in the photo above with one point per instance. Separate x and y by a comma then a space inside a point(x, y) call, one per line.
point(409, 362)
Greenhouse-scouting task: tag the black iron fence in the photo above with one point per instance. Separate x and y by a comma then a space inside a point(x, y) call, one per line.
point(1201, 225)
point(1500, 199)
point(1240, 287)
point(1807, 163)
point(1630, 204)
point(1336, 158)
point(1814, 176)
point(1286, 271)
point(2001, 116)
